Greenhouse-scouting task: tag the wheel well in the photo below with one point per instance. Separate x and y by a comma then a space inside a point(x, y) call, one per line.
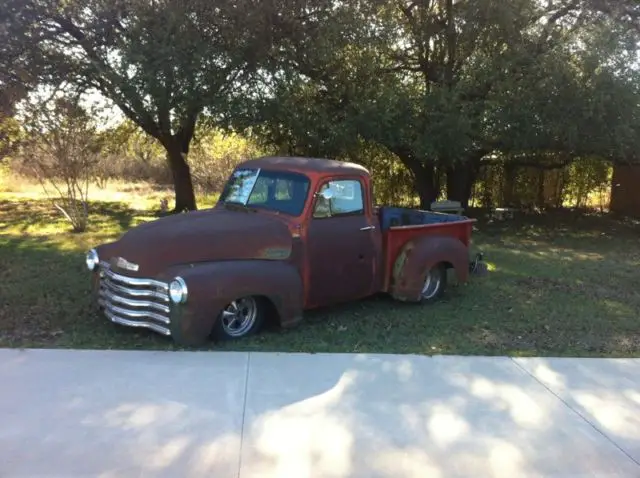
point(272, 317)
point(452, 274)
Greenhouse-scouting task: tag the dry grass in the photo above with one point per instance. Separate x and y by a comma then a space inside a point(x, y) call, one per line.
point(142, 193)
point(560, 285)
point(139, 195)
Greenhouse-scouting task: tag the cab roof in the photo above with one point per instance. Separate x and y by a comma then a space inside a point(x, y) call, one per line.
point(305, 165)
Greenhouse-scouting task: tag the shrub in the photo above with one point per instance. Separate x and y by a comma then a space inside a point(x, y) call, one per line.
point(62, 151)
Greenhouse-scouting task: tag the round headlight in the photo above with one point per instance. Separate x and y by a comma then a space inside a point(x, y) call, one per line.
point(178, 290)
point(92, 259)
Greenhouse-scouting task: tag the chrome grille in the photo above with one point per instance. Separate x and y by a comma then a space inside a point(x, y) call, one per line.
point(135, 302)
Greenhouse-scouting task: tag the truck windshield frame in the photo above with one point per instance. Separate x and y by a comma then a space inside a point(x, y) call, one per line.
point(273, 190)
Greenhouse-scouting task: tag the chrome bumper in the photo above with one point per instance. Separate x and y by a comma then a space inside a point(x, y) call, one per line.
point(134, 302)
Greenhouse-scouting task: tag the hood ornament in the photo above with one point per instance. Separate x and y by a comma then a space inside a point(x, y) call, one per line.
point(122, 263)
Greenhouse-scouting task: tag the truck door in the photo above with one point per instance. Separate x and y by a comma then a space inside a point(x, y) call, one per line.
point(342, 248)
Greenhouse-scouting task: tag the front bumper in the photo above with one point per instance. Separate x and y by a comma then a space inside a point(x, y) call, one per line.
point(133, 301)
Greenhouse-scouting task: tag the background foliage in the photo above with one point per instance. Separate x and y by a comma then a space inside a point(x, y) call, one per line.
point(491, 103)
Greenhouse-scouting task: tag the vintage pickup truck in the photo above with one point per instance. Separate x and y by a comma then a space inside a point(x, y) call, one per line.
point(286, 235)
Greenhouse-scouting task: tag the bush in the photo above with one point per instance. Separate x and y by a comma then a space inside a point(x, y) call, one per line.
point(132, 155)
point(62, 151)
point(215, 154)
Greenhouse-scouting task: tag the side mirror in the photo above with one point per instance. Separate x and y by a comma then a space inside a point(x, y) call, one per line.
point(326, 194)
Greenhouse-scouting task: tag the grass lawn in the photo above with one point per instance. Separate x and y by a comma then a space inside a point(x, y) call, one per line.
point(559, 285)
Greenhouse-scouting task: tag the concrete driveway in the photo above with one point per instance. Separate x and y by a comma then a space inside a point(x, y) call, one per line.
point(192, 414)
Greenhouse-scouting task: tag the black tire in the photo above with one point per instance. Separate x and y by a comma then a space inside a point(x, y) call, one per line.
point(434, 284)
point(229, 324)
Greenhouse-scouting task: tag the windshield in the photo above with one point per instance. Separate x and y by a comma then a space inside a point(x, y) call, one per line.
point(280, 191)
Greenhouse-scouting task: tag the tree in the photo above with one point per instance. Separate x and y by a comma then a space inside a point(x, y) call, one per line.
point(16, 81)
point(162, 62)
point(443, 84)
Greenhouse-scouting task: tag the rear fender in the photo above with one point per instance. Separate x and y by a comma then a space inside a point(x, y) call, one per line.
point(421, 254)
point(213, 286)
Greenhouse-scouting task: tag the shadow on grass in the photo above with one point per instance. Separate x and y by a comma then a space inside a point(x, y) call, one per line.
point(539, 299)
point(26, 216)
point(562, 223)
point(541, 303)
point(496, 315)
point(46, 300)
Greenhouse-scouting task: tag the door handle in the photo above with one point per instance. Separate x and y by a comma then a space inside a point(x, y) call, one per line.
point(367, 228)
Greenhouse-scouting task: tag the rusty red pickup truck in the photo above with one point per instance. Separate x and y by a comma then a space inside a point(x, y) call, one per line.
point(286, 235)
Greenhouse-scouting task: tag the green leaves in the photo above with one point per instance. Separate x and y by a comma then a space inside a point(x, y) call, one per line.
point(435, 82)
point(441, 80)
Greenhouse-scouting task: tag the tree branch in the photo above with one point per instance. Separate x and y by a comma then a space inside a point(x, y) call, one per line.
point(108, 79)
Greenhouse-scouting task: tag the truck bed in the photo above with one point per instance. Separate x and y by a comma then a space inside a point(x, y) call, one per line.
point(400, 225)
point(392, 217)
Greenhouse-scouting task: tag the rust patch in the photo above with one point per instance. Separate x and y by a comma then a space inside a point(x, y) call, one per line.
point(401, 260)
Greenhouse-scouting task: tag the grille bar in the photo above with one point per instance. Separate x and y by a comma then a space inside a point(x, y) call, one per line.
point(136, 323)
point(135, 281)
point(121, 290)
point(140, 304)
point(133, 301)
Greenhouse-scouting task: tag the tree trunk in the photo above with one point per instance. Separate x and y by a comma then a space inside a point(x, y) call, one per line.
point(562, 185)
point(177, 148)
point(487, 189)
point(461, 177)
point(458, 184)
point(541, 197)
point(509, 186)
point(183, 186)
point(425, 185)
point(425, 181)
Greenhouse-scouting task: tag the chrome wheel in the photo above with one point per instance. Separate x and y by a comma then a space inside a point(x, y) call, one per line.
point(432, 283)
point(239, 316)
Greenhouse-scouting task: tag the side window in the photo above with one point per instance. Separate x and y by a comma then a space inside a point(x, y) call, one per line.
point(346, 199)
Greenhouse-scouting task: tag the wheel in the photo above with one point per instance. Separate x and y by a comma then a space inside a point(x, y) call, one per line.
point(240, 318)
point(435, 282)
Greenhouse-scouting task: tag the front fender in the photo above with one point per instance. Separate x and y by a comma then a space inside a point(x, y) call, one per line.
point(212, 286)
point(420, 255)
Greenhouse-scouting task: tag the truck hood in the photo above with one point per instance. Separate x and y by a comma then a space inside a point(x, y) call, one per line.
point(200, 236)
